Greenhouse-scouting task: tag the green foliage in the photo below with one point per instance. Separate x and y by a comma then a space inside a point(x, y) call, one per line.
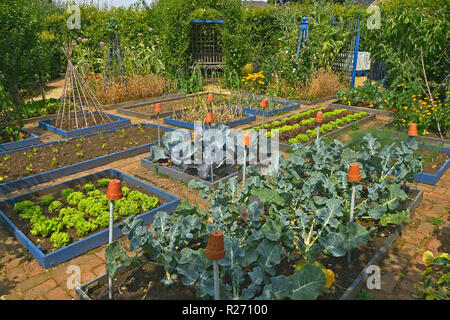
point(55, 206)
point(435, 283)
point(66, 192)
point(22, 206)
point(11, 124)
point(88, 187)
point(43, 226)
point(104, 182)
point(74, 198)
point(47, 200)
point(60, 239)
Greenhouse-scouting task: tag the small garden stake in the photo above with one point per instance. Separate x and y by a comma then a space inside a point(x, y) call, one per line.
point(412, 132)
point(319, 119)
point(114, 193)
point(209, 119)
point(354, 175)
point(210, 100)
point(246, 143)
point(264, 103)
point(158, 110)
point(215, 250)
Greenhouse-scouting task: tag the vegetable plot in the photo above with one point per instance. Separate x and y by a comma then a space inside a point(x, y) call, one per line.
point(218, 151)
point(302, 210)
point(301, 127)
point(58, 219)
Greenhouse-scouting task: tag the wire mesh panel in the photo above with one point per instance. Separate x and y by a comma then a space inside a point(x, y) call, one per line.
point(206, 45)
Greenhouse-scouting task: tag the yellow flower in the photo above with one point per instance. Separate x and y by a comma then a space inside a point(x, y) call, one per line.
point(329, 276)
point(444, 255)
point(428, 257)
point(406, 108)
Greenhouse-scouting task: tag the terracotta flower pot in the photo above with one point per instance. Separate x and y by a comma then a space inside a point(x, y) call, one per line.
point(209, 118)
point(210, 98)
point(264, 103)
point(412, 132)
point(319, 117)
point(215, 249)
point(354, 175)
point(114, 190)
point(158, 108)
point(246, 139)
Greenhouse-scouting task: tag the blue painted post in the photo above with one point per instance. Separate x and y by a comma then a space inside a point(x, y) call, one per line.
point(355, 53)
point(303, 35)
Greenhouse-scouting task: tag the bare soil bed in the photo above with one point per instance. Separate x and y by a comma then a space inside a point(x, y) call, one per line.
point(42, 159)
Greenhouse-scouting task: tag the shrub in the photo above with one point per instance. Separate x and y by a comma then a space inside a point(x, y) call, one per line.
point(323, 83)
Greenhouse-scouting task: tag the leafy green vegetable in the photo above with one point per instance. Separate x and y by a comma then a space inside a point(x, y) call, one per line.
point(47, 200)
point(60, 239)
point(55, 206)
point(66, 192)
point(104, 182)
point(74, 198)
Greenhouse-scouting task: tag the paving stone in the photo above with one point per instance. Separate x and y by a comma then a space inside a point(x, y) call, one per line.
point(407, 251)
point(58, 294)
point(33, 282)
point(87, 276)
point(33, 268)
point(13, 296)
point(39, 290)
point(99, 270)
point(407, 285)
point(388, 282)
point(59, 273)
point(434, 245)
point(91, 264)
point(425, 229)
point(16, 274)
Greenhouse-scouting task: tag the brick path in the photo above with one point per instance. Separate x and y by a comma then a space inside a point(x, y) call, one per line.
point(403, 263)
point(21, 277)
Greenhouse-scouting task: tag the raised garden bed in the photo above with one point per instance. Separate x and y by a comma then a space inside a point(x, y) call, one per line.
point(360, 108)
point(146, 109)
point(251, 104)
point(301, 127)
point(42, 249)
point(185, 177)
point(190, 125)
point(116, 122)
point(31, 139)
point(436, 157)
point(350, 279)
point(59, 158)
